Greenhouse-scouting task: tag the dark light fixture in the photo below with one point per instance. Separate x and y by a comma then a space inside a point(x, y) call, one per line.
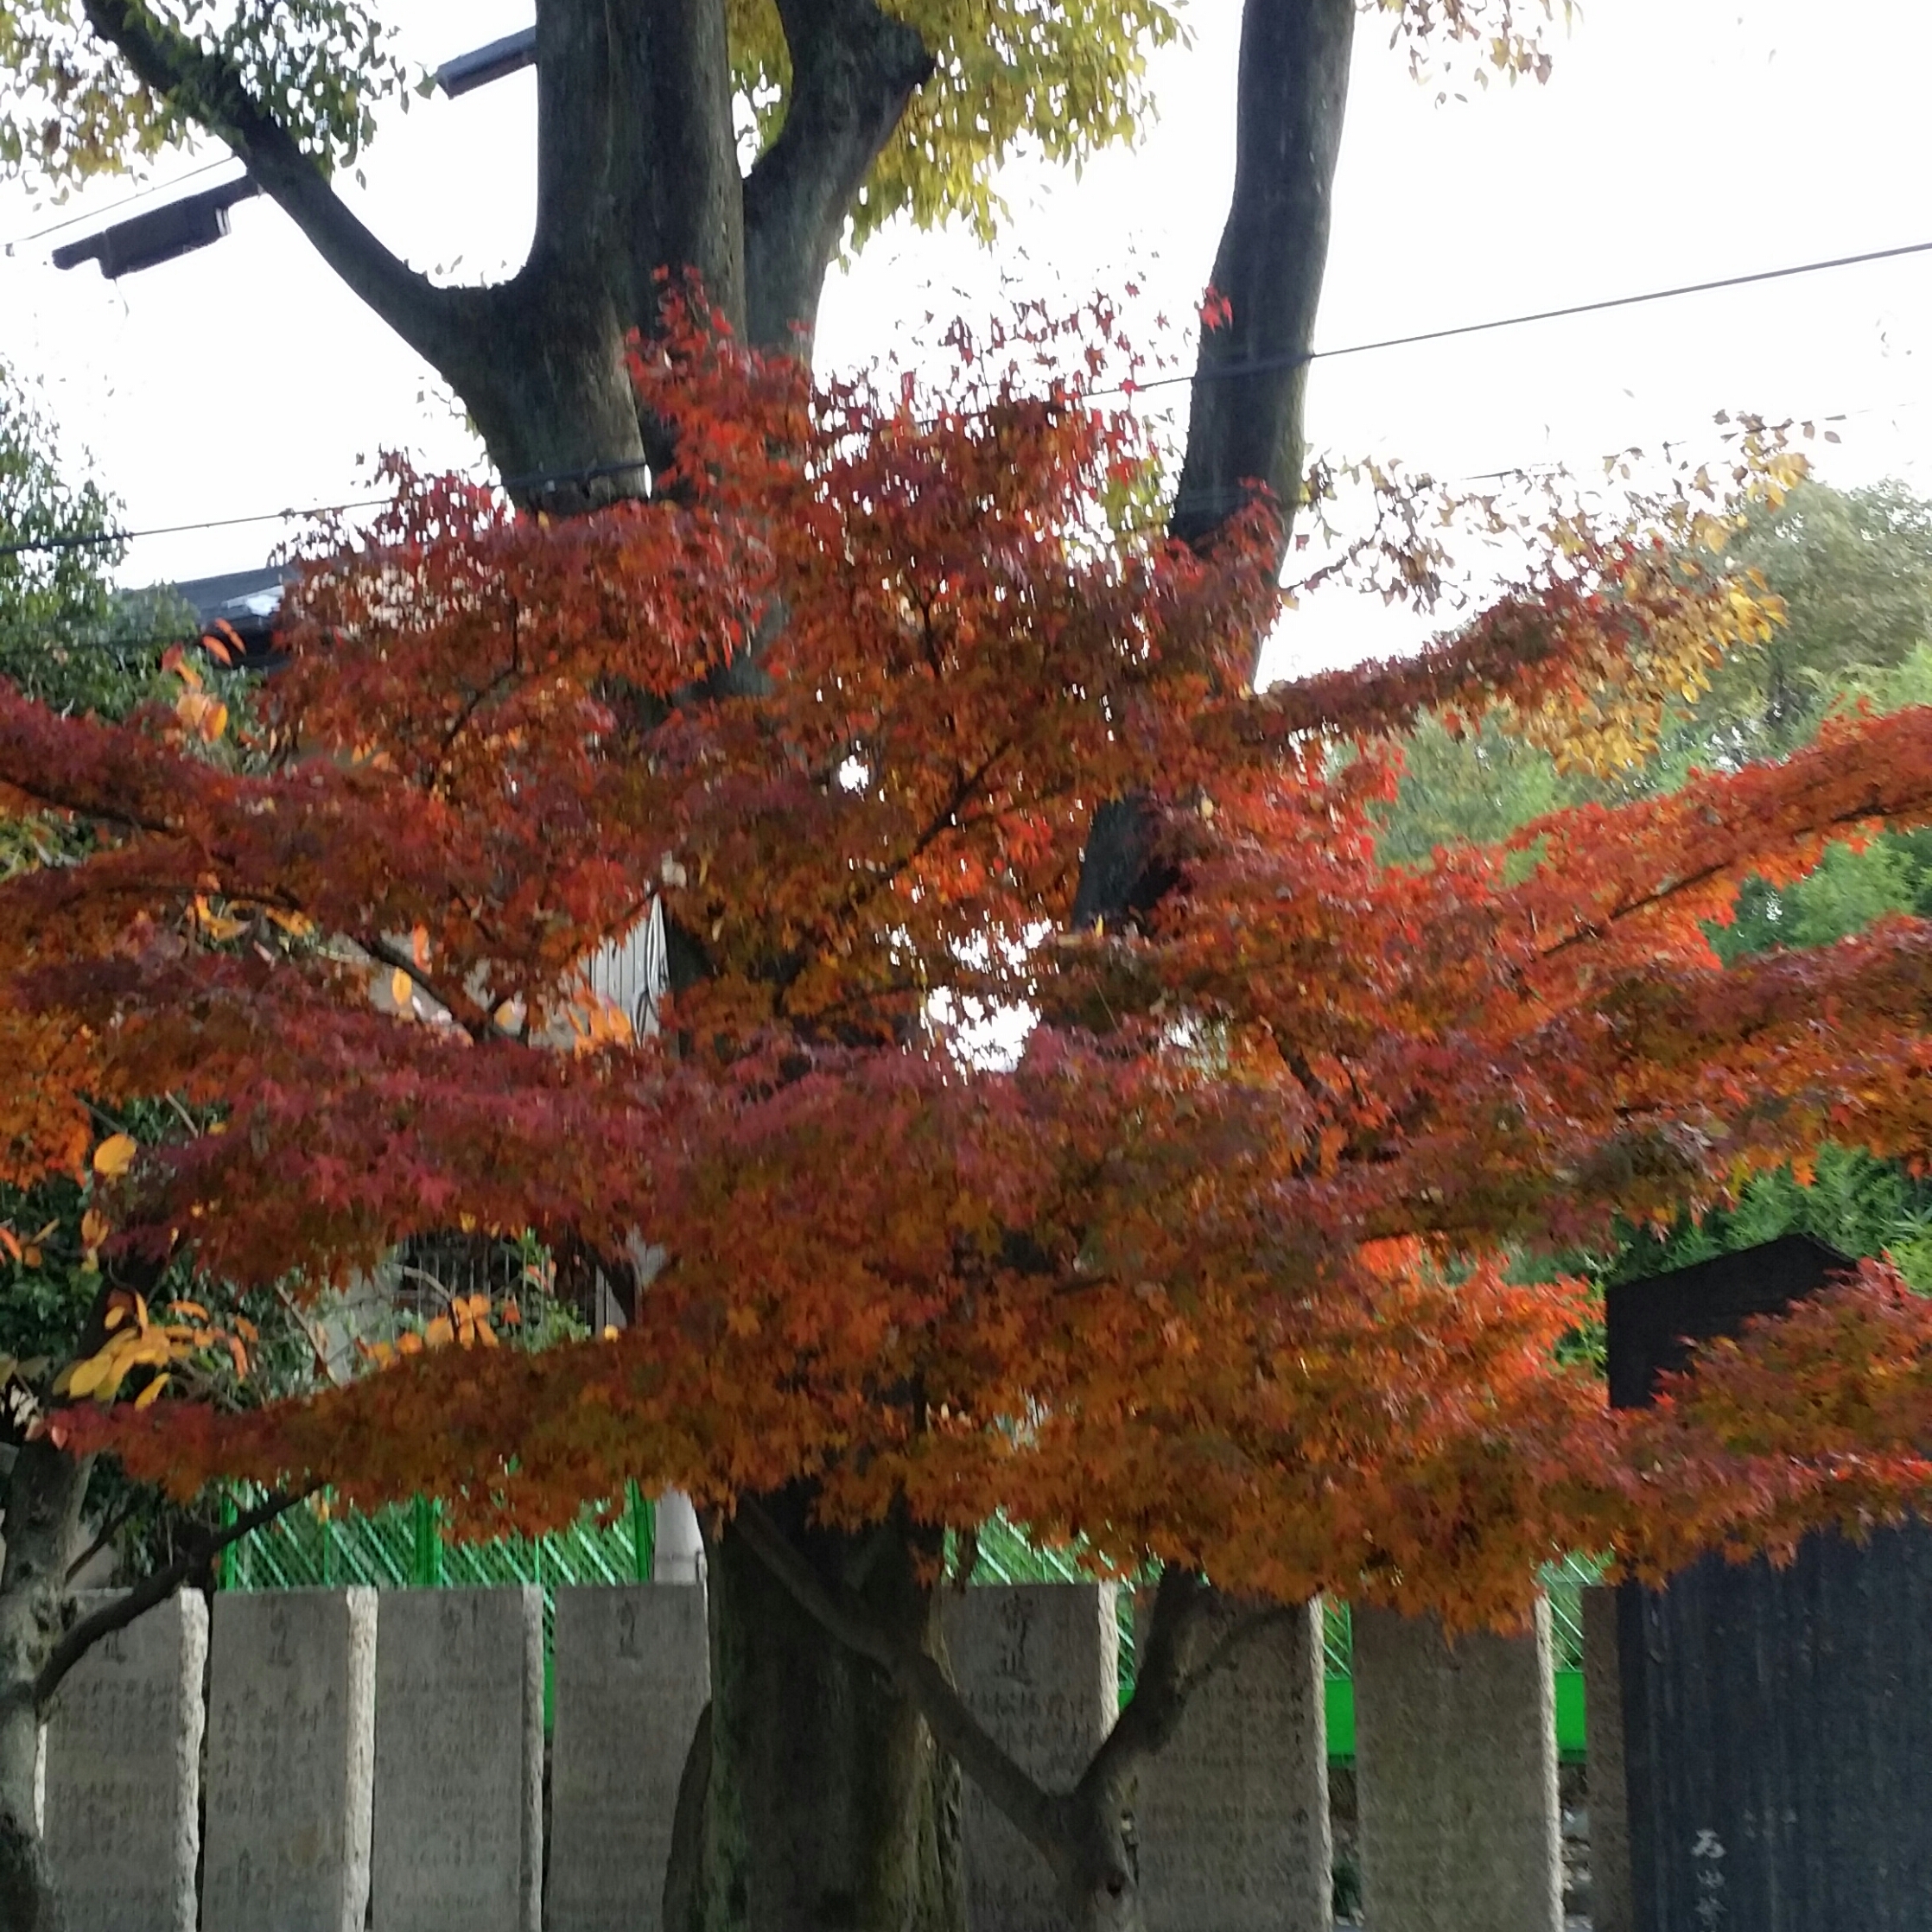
point(485, 64)
point(145, 240)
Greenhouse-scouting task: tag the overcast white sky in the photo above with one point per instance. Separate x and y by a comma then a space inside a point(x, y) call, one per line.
point(1680, 140)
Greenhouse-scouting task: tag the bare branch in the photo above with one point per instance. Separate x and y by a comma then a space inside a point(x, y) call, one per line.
point(434, 321)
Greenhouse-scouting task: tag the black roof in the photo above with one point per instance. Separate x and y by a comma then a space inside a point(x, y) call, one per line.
point(242, 598)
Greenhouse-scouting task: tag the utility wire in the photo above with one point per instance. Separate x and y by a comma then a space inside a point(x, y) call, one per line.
point(126, 202)
point(1267, 364)
point(99, 539)
point(1221, 373)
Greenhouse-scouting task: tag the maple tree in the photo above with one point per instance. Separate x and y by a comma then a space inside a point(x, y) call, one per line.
point(1211, 1275)
point(1208, 1273)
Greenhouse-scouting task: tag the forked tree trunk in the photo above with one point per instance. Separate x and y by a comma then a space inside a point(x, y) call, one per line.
point(44, 1531)
point(814, 1799)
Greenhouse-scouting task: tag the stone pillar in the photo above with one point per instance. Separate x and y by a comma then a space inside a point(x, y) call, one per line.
point(458, 1839)
point(1611, 1906)
point(1455, 1772)
point(677, 1549)
point(632, 1675)
point(1232, 1819)
point(1037, 1663)
point(291, 1753)
point(123, 1772)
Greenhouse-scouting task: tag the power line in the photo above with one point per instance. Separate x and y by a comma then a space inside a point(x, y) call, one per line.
point(104, 538)
point(126, 202)
point(1268, 364)
point(1223, 372)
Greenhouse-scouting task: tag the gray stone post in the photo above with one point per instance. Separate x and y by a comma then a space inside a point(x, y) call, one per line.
point(1456, 1777)
point(458, 1841)
point(123, 1772)
point(632, 1675)
point(1611, 1909)
point(1039, 1665)
point(677, 1550)
point(1232, 1818)
point(291, 1753)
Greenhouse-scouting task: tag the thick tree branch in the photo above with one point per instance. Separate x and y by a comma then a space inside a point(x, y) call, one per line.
point(574, 135)
point(203, 1549)
point(440, 323)
point(1245, 429)
point(853, 70)
point(678, 199)
point(918, 1677)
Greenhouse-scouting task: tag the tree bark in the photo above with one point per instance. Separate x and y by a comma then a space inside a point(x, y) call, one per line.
point(1244, 428)
point(44, 1535)
point(815, 1796)
point(1245, 422)
point(853, 70)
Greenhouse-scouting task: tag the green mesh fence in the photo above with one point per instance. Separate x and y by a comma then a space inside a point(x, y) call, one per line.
point(404, 1548)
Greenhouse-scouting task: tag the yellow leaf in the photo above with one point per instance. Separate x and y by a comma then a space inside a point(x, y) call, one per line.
point(85, 1377)
point(95, 1229)
point(400, 985)
point(115, 1156)
point(440, 1333)
point(151, 1394)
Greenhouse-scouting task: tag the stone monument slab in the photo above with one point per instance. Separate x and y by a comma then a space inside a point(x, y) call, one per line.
point(123, 1772)
point(291, 1759)
point(1611, 1909)
point(632, 1674)
point(1777, 1723)
point(458, 1838)
point(1232, 1819)
point(1039, 1665)
point(1455, 1773)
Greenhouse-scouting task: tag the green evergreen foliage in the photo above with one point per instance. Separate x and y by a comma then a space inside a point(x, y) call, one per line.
point(1854, 568)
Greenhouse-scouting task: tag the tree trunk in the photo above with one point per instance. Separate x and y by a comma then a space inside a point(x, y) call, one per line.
point(44, 1533)
point(815, 1799)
